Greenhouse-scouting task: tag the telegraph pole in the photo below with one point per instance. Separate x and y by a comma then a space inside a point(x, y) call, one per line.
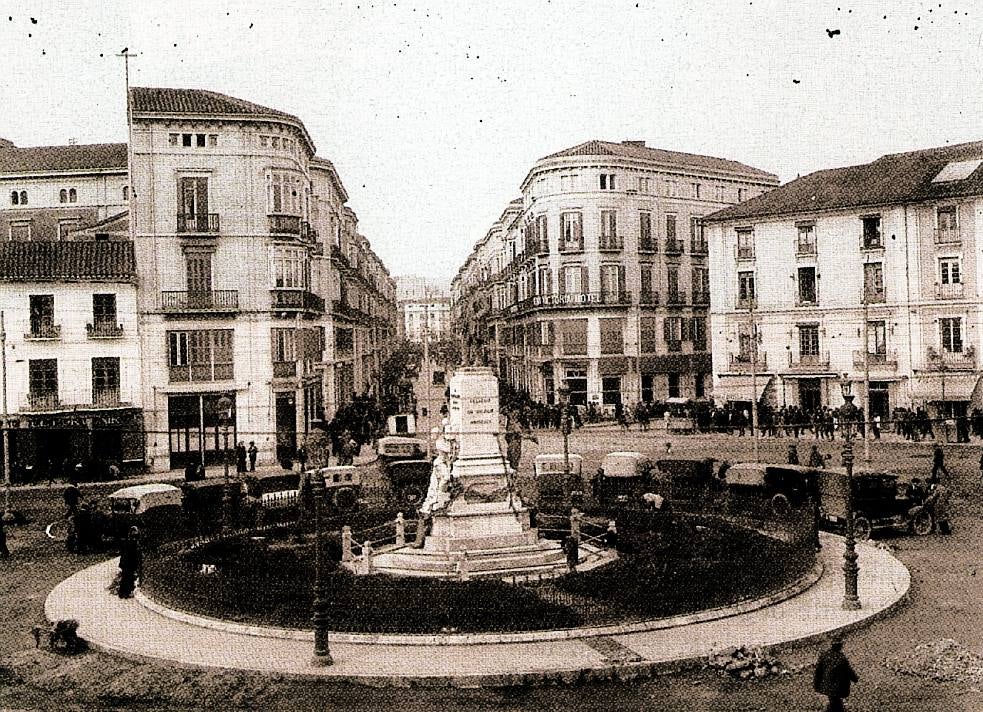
point(866, 432)
point(754, 375)
point(3, 421)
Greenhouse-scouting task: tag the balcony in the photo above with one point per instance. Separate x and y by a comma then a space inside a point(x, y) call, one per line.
point(582, 299)
point(104, 330)
point(676, 299)
point(649, 298)
point(947, 235)
point(220, 301)
point(41, 401)
point(197, 223)
point(646, 244)
point(963, 360)
point(43, 332)
point(744, 252)
point(809, 362)
point(745, 363)
point(698, 247)
point(805, 249)
point(284, 369)
point(610, 243)
point(949, 291)
point(875, 296)
point(296, 300)
point(107, 397)
point(876, 360)
point(673, 246)
point(285, 225)
point(871, 241)
point(701, 298)
point(747, 303)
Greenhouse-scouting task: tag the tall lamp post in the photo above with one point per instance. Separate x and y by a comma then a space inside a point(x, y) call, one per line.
point(225, 418)
point(848, 417)
point(322, 655)
point(565, 427)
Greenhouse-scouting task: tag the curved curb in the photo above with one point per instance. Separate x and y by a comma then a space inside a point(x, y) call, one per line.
point(803, 583)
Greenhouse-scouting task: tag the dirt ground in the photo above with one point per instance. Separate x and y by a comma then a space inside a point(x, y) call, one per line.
point(947, 589)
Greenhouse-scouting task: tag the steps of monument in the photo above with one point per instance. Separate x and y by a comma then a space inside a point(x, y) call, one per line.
point(505, 574)
point(478, 561)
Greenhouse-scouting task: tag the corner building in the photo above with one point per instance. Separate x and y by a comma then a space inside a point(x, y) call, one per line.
point(598, 276)
point(867, 272)
point(254, 282)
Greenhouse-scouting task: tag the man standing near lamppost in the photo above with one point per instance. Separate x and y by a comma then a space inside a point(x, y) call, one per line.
point(847, 417)
point(225, 417)
point(322, 654)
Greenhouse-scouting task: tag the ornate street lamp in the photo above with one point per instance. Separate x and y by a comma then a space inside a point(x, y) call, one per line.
point(848, 417)
point(322, 655)
point(565, 427)
point(225, 419)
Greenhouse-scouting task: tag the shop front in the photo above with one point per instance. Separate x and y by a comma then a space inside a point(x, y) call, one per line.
point(195, 428)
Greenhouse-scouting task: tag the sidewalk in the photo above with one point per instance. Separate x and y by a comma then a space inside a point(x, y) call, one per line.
point(130, 629)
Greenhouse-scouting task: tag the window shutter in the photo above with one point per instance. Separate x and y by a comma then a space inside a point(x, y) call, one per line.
point(666, 336)
point(578, 230)
point(684, 329)
point(584, 280)
point(621, 279)
point(561, 283)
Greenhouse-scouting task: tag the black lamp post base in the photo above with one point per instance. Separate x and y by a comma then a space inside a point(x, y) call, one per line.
point(851, 604)
point(322, 660)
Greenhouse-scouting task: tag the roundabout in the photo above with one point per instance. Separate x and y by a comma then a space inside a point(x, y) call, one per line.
point(149, 632)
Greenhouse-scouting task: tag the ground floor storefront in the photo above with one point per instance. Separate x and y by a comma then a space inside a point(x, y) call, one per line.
point(50, 445)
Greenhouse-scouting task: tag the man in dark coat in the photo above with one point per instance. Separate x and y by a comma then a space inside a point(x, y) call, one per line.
point(130, 563)
point(241, 457)
point(833, 676)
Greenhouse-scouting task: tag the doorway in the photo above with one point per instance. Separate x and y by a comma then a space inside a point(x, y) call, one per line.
point(286, 426)
point(810, 395)
point(880, 401)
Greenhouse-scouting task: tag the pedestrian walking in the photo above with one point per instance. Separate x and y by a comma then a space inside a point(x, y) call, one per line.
point(938, 501)
point(130, 563)
point(793, 454)
point(938, 463)
point(571, 547)
point(241, 457)
point(833, 676)
point(253, 453)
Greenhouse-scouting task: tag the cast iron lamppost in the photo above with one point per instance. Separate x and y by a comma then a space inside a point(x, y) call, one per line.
point(322, 655)
point(848, 416)
point(565, 427)
point(225, 418)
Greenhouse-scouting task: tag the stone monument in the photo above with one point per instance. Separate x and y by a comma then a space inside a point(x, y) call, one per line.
point(480, 527)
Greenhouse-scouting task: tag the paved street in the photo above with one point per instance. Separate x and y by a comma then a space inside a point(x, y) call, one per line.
point(944, 603)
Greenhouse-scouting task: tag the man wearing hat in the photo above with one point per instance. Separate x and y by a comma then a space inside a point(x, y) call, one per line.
point(834, 675)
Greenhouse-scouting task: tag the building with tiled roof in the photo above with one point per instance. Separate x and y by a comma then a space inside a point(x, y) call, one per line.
point(597, 277)
point(869, 272)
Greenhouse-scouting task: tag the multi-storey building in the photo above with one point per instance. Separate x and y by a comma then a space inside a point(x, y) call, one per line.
point(254, 282)
point(598, 275)
point(869, 272)
point(425, 309)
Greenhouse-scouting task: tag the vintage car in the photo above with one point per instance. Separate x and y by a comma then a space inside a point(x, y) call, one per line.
point(409, 481)
point(555, 492)
point(343, 485)
point(622, 478)
point(879, 501)
point(202, 502)
point(153, 508)
point(782, 487)
point(394, 447)
point(689, 480)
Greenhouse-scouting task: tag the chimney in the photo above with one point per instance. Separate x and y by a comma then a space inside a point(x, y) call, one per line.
point(636, 144)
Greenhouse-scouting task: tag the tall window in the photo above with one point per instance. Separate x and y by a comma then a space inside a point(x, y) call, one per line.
point(62, 196)
point(545, 281)
point(104, 310)
point(291, 268)
point(199, 272)
point(745, 243)
point(745, 289)
point(807, 240)
point(284, 345)
point(949, 272)
point(947, 219)
point(670, 227)
point(105, 380)
point(672, 327)
point(698, 333)
point(872, 232)
point(951, 329)
point(874, 281)
point(808, 339)
point(609, 231)
point(647, 288)
point(73, 195)
point(612, 282)
point(649, 342)
point(746, 343)
point(574, 280)
point(203, 355)
point(607, 181)
point(193, 205)
point(697, 235)
point(645, 243)
point(571, 232)
point(672, 284)
point(672, 385)
point(701, 285)
point(284, 193)
point(612, 339)
point(807, 285)
point(877, 337)
point(696, 190)
point(42, 378)
point(568, 183)
point(42, 314)
point(542, 234)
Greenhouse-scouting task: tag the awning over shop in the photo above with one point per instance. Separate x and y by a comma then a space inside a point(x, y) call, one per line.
point(929, 387)
point(738, 388)
point(613, 366)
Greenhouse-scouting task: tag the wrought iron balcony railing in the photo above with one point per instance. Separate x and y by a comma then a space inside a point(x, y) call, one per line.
point(43, 331)
point(218, 300)
point(197, 223)
point(104, 330)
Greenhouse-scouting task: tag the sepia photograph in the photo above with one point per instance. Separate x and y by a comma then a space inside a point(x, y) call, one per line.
point(491, 355)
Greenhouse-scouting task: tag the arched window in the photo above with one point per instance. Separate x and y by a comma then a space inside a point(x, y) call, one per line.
point(14, 198)
point(72, 195)
point(23, 197)
point(62, 196)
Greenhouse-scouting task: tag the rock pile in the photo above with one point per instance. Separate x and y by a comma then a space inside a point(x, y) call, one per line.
point(944, 660)
point(743, 663)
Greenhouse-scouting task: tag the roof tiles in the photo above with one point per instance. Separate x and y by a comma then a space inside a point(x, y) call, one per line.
point(35, 159)
point(50, 261)
point(166, 100)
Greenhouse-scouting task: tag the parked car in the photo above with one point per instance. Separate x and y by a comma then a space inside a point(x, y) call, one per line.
point(880, 501)
point(554, 491)
point(409, 481)
point(683, 479)
point(622, 478)
point(781, 487)
point(154, 508)
point(343, 485)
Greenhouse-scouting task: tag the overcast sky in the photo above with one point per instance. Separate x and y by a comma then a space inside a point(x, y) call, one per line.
point(434, 112)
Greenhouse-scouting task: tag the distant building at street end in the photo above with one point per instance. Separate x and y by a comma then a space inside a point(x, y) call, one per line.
point(597, 276)
point(865, 270)
point(424, 309)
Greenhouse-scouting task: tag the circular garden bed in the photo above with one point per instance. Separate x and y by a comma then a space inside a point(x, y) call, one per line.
point(691, 565)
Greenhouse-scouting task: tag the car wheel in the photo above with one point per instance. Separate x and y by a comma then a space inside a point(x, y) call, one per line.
point(861, 527)
point(412, 495)
point(922, 524)
point(780, 506)
point(344, 499)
